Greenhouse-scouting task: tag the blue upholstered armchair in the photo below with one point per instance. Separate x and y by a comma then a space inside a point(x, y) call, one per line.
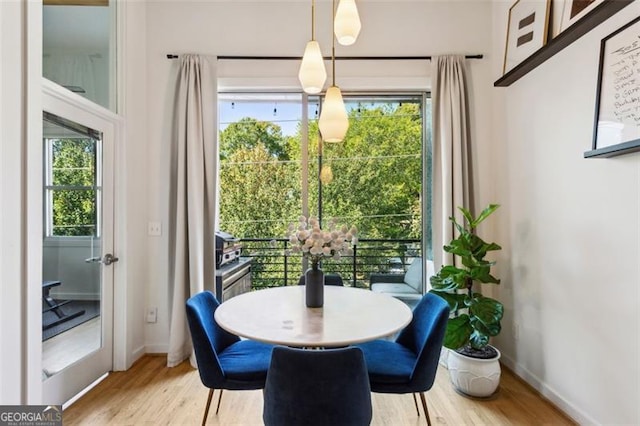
point(409, 364)
point(224, 361)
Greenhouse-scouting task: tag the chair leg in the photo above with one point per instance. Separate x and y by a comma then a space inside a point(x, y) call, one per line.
point(219, 399)
point(424, 407)
point(415, 402)
point(206, 408)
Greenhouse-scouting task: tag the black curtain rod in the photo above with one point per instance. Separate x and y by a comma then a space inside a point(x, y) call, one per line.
point(328, 58)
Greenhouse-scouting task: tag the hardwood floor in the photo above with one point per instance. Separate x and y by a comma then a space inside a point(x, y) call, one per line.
point(152, 394)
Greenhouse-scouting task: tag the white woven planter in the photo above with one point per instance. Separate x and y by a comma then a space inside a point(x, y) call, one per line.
point(472, 376)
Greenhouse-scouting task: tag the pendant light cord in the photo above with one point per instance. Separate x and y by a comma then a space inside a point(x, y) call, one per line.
point(313, 20)
point(333, 44)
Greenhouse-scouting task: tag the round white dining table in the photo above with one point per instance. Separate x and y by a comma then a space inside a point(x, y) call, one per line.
point(280, 316)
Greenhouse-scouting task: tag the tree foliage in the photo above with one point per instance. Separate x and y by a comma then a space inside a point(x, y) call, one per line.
point(377, 176)
point(377, 173)
point(258, 193)
point(248, 133)
point(74, 193)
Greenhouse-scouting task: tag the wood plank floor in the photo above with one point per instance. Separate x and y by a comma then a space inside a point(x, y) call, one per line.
point(151, 394)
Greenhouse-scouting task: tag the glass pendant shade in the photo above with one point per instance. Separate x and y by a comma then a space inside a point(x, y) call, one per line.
point(312, 74)
point(347, 23)
point(334, 121)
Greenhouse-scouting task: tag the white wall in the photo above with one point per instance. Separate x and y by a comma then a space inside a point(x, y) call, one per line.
point(570, 231)
point(282, 28)
point(20, 271)
point(131, 184)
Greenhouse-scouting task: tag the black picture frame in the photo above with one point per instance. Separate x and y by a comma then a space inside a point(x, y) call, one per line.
point(616, 128)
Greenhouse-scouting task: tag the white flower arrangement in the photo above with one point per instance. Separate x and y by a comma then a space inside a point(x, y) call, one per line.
point(307, 238)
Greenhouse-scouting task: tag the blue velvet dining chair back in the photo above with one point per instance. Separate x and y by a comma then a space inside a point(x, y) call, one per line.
point(410, 363)
point(317, 388)
point(208, 338)
point(423, 334)
point(224, 360)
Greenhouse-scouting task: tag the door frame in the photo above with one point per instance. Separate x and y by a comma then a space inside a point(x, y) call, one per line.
point(61, 102)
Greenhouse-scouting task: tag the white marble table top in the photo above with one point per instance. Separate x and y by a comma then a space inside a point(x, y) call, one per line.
point(279, 315)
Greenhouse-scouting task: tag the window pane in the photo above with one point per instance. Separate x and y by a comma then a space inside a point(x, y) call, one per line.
point(74, 212)
point(72, 154)
point(78, 49)
point(377, 169)
point(260, 183)
point(73, 162)
point(372, 179)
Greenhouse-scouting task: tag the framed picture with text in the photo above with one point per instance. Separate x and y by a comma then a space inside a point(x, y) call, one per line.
point(527, 31)
point(617, 116)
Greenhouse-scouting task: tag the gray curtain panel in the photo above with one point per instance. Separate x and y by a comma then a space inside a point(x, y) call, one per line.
point(452, 186)
point(192, 200)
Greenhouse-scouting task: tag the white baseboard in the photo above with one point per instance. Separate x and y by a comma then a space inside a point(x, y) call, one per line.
point(136, 355)
point(562, 404)
point(156, 349)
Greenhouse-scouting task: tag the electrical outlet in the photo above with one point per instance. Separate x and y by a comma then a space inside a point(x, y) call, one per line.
point(152, 315)
point(516, 331)
point(155, 229)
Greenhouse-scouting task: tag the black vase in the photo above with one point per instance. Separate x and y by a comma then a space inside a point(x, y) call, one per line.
point(314, 287)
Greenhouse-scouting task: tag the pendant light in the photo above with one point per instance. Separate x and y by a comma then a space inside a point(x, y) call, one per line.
point(346, 24)
point(312, 74)
point(326, 174)
point(334, 121)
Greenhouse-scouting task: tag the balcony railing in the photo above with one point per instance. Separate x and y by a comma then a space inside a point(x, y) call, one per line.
point(272, 268)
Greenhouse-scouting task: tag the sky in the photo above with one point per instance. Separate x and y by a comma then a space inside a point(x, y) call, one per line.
point(287, 114)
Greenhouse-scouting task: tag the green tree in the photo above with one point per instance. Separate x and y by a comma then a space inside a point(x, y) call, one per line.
point(248, 133)
point(377, 172)
point(74, 193)
point(258, 194)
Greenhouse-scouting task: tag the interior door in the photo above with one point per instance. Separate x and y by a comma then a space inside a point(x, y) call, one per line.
point(78, 258)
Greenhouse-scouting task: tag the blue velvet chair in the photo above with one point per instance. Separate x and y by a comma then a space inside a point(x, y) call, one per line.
point(317, 388)
point(409, 364)
point(224, 361)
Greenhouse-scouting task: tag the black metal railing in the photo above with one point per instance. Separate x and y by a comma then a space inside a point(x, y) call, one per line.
point(272, 268)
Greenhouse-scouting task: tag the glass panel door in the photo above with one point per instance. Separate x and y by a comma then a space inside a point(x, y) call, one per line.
point(77, 261)
point(72, 250)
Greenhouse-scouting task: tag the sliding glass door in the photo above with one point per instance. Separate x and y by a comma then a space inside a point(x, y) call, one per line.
point(274, 167)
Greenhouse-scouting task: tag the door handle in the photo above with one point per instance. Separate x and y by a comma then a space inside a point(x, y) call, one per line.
point(93, 259)
point(109, 259)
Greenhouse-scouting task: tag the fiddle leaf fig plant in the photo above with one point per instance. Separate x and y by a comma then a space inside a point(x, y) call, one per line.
point(476, 317)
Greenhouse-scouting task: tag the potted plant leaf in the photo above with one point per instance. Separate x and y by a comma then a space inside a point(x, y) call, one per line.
point(472, 362)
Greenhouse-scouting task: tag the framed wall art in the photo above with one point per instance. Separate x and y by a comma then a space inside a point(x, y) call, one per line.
point(555, 18)
point(617, 116)
point(527, 30)
point(574, 10)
